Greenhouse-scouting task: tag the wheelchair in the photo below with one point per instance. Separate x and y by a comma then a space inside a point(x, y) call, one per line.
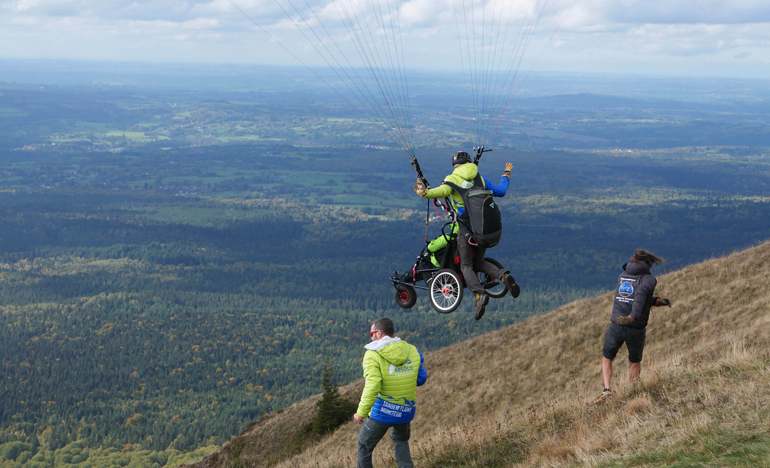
point(445, 284)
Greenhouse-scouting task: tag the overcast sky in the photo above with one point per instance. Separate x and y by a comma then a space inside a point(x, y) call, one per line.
point(675, 37)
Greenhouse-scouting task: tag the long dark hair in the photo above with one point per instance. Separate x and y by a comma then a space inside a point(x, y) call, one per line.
point(641, 255)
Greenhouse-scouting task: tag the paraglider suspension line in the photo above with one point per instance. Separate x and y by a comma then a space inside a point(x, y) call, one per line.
point(427, 222)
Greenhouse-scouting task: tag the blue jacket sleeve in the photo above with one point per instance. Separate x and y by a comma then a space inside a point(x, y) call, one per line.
point(422, 374)
point(497, 190)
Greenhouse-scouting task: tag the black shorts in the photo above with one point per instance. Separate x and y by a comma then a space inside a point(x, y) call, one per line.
point(617, 335)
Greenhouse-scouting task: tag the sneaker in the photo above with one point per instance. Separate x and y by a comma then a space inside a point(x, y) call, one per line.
point(512, 286)
point(605, 394)
point(482, 299)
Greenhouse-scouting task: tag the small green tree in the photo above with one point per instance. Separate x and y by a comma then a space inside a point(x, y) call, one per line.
point(333, 409)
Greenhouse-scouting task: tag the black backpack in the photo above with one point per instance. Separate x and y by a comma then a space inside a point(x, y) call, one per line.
point(482, 215)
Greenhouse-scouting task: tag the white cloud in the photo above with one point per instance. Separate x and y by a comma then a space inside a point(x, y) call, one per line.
point(688, 11)
point(25, 21)
point(603, 33)
point(423, 12)
point(200, 23)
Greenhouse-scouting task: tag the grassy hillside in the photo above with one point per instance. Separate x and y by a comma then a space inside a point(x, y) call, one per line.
point(523, 395)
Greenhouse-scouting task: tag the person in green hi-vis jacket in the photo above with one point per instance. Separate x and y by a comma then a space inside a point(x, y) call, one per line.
point(393, 369)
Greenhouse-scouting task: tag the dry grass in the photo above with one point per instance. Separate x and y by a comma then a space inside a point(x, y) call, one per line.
point(523, 395)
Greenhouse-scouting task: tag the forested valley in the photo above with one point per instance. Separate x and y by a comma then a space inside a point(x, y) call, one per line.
point(160, 294)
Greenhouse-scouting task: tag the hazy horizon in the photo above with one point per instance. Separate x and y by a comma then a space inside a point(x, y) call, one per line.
point(681, 38)
point(238, 76)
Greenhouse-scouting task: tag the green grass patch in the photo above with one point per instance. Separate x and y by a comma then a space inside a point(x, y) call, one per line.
point(501, 451)
point(136, 104)
point(95, 127)
point(214, 216)
point(137, 137)
point(68, 139)
point(708, 448)
point(230, 138)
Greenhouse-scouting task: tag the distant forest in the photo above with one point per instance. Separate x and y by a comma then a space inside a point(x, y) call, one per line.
point(159, 294)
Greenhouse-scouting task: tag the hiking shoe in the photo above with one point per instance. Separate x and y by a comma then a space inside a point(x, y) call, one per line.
point(482, 299)
point(605, 394)
point(512, 286)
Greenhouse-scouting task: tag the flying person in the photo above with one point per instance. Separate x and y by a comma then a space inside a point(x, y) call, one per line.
point(465, 174)
point(630, 313)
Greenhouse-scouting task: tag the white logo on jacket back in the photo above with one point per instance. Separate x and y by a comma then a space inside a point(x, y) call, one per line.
point(625, 289)
point(405, 369)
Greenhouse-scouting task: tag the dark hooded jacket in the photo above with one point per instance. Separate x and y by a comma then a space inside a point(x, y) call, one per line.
point(634, 294)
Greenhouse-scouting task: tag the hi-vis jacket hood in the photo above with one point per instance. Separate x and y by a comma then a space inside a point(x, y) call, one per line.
point(396, 354)
point(467, 171)
point(392, 370)
point(462, 176)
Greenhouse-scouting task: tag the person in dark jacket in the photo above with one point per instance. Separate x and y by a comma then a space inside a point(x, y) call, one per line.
point(634, 296)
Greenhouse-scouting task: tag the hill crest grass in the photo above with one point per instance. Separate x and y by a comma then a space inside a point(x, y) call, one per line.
point(523, 395)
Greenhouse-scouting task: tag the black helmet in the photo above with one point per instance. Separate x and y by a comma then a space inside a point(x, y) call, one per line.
point(460, 157)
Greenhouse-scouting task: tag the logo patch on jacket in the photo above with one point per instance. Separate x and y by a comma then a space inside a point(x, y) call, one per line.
point(625, 289)
point(405, 369)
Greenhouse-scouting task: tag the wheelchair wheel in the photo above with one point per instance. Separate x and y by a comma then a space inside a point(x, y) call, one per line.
point(405, 296)
point(496, 288)
point(446, 291)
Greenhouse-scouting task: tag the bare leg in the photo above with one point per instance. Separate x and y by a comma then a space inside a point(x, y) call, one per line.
point(635, 370)
point(606, 371)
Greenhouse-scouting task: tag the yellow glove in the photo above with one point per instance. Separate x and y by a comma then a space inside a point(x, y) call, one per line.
point(508, 168)
point(419, 189)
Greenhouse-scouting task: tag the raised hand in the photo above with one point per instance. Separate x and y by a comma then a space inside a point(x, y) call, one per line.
point(420, 189)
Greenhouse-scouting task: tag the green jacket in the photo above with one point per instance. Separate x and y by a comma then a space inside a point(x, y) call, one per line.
point(440, 242)
point(462, 176)
point(392, 371)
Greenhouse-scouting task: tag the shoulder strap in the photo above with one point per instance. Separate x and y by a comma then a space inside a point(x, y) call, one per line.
point(456, 187)
point(478, 183)
point(463, 218)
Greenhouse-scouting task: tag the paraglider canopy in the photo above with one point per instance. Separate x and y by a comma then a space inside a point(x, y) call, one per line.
point(368, 47)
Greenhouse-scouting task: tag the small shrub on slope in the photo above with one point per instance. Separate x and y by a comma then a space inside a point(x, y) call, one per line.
point(333, 409)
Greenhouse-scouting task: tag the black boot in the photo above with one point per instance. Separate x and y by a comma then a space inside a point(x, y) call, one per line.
point(482, 299)
point(512, 286)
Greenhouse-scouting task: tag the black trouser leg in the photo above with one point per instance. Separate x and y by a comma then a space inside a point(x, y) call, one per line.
point(469, 264)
